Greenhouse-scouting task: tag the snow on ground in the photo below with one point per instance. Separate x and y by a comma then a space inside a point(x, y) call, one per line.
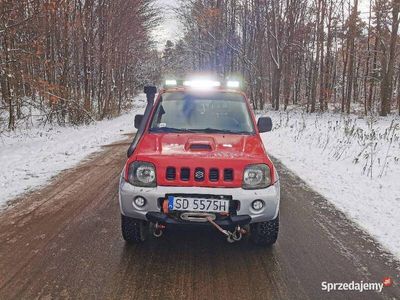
point(353, 162)
point(30, 158)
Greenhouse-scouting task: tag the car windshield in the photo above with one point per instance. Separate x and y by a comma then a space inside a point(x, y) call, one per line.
point(204, 113)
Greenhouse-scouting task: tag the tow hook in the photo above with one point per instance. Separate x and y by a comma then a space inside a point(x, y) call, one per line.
point(231, 237)
point(158, 230)
point(237, 235)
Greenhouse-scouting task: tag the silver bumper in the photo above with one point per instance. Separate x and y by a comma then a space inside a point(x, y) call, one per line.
point(270, 196)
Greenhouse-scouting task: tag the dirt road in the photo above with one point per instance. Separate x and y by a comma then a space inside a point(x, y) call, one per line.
point(64, 242)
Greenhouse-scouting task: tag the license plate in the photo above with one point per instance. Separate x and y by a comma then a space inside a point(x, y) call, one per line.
point(196, 204)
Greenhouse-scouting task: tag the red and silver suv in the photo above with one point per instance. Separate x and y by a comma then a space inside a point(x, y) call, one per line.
point(198, 158)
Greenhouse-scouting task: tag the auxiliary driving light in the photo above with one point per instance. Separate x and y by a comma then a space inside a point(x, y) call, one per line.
point(257, 204)
point(233, 84)
point(139, 201)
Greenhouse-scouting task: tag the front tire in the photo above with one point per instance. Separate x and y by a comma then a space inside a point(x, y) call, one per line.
point(134, 231)
point(265, 233)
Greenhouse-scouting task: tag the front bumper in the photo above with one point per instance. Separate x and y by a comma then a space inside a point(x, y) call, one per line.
point(152, 210)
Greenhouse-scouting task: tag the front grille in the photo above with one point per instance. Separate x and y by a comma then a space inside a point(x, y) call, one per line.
point(171, 173)
point(228, 175)
point(185, 174)
point(199, 174)
point(214, 175)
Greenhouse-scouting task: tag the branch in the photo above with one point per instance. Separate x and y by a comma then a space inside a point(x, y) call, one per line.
point(75, 102)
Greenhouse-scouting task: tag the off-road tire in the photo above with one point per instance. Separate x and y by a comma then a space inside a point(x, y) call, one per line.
point(265, 233)
point(134, 231)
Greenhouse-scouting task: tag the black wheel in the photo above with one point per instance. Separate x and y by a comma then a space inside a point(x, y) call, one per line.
point(265, 233)
point(133, 230)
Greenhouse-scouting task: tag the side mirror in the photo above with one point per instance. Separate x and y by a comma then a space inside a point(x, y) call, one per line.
point(138, 121)
point(264, 124)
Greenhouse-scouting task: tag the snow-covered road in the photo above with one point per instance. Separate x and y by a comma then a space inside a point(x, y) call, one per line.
point(66, 240)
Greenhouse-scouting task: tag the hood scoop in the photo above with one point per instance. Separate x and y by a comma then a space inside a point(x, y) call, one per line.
point(200, 145)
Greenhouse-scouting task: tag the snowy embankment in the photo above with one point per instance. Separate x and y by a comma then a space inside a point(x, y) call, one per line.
point(353, 162)
point(30, 158)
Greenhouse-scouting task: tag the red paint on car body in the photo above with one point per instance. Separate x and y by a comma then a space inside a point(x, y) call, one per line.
point(225, 151)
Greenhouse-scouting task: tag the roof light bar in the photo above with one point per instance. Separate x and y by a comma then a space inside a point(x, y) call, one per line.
point(202, 84)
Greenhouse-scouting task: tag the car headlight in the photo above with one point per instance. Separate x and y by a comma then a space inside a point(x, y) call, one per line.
point(142, 174)
point(256, 177)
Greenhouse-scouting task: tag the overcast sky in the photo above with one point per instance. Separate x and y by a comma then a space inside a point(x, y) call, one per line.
point(170, 28)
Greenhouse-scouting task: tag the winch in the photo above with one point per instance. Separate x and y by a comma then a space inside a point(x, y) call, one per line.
point(197, 216)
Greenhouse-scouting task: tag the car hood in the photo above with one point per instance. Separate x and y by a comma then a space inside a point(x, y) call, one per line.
point(227, 146)
point(226, 153)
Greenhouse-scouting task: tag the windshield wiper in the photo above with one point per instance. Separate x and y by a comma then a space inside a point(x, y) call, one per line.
point(205, 130)
point(215, 130)
point(169, 129)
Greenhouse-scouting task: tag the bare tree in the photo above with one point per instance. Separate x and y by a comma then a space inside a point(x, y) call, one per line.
point(74, 60)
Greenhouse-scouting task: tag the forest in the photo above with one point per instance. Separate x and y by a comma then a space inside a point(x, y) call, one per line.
point(320, 54)
point(73, 61)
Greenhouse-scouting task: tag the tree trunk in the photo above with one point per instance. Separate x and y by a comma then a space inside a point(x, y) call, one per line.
point(387, 80)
